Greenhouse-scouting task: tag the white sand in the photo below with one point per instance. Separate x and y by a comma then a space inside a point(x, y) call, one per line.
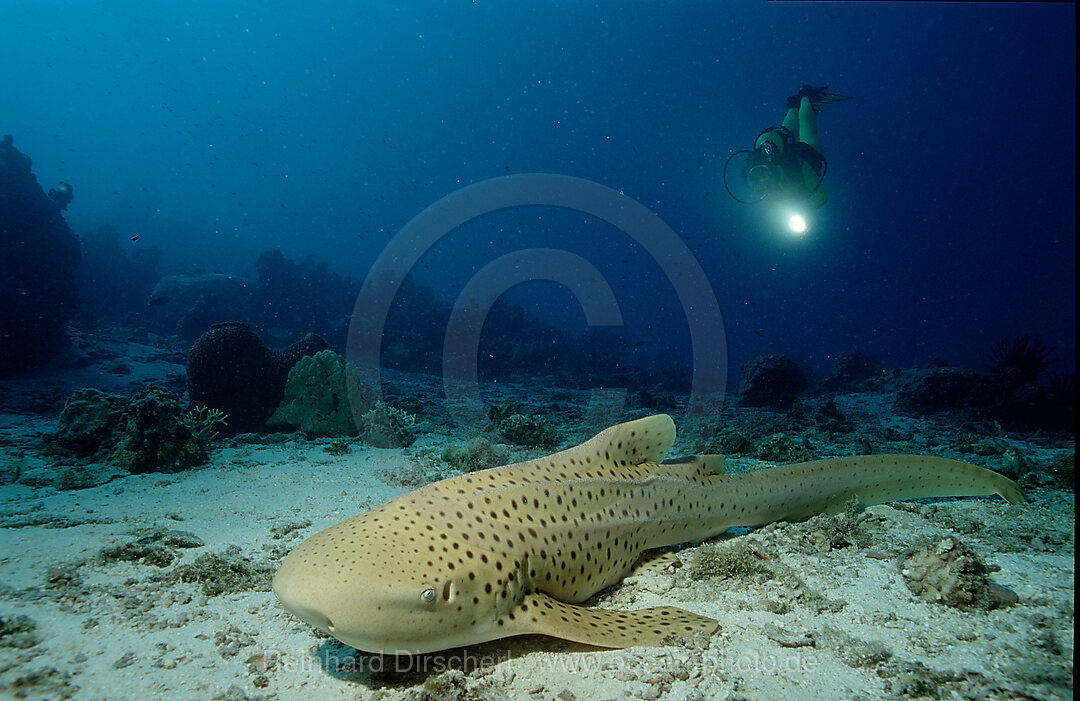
point(127, 636)
point(828, 623)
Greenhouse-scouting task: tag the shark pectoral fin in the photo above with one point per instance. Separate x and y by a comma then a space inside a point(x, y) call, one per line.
point(661, 561)
point(539, 613)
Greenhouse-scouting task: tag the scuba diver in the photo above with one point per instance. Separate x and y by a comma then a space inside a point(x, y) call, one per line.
point(62, 195)
point(787, 164)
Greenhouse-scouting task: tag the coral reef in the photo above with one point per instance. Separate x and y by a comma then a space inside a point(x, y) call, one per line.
point(232, 370)
point(851, 370)
point(285, 301)
point(286, 358)
point(1030, 407)
point(155, 436)
point(948, 572)
point(1014, 395)
point(321, 392)
point(727, 440)
point(782, 448)
point(303, 297)
point(524, 429)
point(290, 298)
point(771, 381)
point(39, 258)
point(146, 433)
point(831, 419)
point(91, 420)
point(938, 388)
point(478, 454)
point(386, 427)
point(514, 345)
point(1010, 394)
point(189, 304)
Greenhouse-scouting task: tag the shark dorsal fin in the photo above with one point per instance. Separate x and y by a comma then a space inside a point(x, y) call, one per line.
point(646, 440)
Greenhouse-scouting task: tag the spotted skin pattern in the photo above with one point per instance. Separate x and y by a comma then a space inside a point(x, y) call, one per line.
point(515, 549)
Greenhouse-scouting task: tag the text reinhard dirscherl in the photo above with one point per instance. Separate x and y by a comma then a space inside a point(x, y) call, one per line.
point(793, 662)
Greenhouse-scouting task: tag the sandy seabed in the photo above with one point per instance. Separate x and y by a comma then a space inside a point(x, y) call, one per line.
point(821, 617)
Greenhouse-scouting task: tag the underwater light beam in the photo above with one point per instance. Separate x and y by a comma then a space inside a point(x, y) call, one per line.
point(797, 223)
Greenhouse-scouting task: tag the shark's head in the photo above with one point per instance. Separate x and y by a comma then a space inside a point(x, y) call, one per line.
point(394, 586)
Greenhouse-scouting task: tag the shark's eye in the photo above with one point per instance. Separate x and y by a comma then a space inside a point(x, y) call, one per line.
point(428, 596)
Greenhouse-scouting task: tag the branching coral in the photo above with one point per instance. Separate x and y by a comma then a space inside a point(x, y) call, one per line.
point(202, 421)
point(388, 427)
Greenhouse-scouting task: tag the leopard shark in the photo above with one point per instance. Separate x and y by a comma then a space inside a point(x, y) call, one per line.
point(517, 549)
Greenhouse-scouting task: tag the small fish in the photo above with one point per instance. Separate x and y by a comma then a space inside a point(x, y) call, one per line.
point(517, 549)
point(157, 301)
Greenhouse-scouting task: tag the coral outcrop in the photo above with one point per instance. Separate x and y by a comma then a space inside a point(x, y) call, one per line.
point(230, 369)
point(771, 381)
point(523, 428)
point(189, 304)
point(90, 421)
point(387, 427)
point(948, 572)
point(938, 388)
point(851, 370)
point(39, 258)
point(155, 436)
point(114, 435)
point(320, 392)
point(285, 300)
point(478, 454)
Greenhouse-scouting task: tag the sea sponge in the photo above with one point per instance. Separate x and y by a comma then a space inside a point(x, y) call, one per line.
point(229, 368)
point(321, 394)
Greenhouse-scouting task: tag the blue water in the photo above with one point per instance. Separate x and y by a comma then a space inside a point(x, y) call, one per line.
point(219, 132)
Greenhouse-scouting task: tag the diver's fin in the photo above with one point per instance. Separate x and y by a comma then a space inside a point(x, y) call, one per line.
point(818, 97)
point(821, 99)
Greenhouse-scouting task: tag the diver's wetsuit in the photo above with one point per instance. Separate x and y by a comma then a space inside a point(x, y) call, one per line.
point(800, 157)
